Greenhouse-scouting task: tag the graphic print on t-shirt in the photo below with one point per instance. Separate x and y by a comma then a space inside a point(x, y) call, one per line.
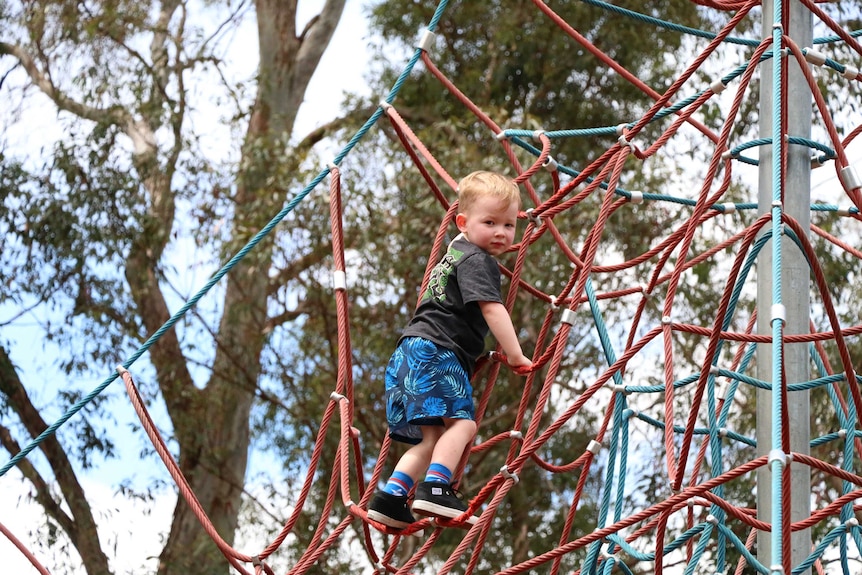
point(440, 276)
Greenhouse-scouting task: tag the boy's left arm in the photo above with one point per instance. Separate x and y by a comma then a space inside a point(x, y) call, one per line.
point(500, 324)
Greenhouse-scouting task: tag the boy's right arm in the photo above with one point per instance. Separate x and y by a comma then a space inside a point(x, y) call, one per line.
point(500, 324)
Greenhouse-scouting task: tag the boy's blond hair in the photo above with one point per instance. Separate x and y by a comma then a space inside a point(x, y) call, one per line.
point(481, 184)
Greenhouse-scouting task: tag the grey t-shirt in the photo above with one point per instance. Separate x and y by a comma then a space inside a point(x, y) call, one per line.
point(449, 313)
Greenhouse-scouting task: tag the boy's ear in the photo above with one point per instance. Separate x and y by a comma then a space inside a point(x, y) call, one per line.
point(461, 221)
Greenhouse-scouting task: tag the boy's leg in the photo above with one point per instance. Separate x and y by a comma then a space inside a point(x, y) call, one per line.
point(389, 506)
point(435, 496)
point(452, 443)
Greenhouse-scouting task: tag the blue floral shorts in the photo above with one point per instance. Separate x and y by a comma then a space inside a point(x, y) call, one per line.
point(424, 384)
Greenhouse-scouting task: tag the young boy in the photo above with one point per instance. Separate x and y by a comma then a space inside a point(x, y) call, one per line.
point(429, 401)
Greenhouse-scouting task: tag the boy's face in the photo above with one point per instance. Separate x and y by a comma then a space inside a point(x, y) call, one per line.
point(489, 224)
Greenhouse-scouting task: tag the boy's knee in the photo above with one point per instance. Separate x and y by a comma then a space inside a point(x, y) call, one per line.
point(464, 425)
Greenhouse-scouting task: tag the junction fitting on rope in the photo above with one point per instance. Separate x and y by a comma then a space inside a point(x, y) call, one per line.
point(636, 197)
point(504, 471)
point(718, 86)
point(814, 57)
point(568, 317)
point(531, 215)
point(426, 41)
point(728, 207)
point(554, 305)
point(515, 434)
point(779, 312)
point(335, 396)
point(550, 164)
point(339, 280)
point(777, 456)
point(594, 447)
point(850, 178)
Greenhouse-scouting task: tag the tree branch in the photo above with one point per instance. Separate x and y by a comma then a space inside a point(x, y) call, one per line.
point(117, 115)
point(82, 531)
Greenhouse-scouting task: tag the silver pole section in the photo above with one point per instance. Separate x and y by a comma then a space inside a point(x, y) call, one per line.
point(786, 286)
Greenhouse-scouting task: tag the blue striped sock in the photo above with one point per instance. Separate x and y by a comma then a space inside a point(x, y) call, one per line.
point(438, 474)
point(399, 484)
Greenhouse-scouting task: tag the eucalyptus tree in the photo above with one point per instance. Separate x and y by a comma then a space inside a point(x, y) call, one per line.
point(142, 94)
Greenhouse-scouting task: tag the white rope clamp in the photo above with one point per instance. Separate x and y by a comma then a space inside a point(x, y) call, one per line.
point(778, 569)
point(726, 155)
point(550, 164)
point(554, 305)
point(331, 166)
point(666, 320)
point(637, 197)
point(537, 134)
point(335, 396)
point(385, 105)
point(501, 135)
point(568, 317)
point(717, 87)
point(426, 41)
point(531, 214)
point(729, 207)
point(852, 522)
point(779, 312)
point(850, 72)
point(850, 178)
point(776, 455)
point(515, 434)
point(594, 447)
point(509, 475)
point(843, 211)
point(814, 57)
point(339, 280)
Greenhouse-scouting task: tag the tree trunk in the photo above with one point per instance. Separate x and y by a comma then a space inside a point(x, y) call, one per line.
point(214, 457)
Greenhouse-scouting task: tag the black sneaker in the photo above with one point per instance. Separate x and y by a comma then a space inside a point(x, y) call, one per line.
point(390, 510)
point(439, 500)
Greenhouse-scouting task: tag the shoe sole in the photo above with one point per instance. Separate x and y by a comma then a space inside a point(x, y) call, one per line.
point(428, 508)
point(386, 520)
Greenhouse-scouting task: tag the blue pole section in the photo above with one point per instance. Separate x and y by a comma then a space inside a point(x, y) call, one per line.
point(776, 457)
point(783, 288)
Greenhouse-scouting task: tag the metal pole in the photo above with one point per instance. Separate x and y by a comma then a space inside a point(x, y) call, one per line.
point(783, 287)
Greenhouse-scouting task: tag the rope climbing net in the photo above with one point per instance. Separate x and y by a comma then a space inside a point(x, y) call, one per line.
point(694, 526)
